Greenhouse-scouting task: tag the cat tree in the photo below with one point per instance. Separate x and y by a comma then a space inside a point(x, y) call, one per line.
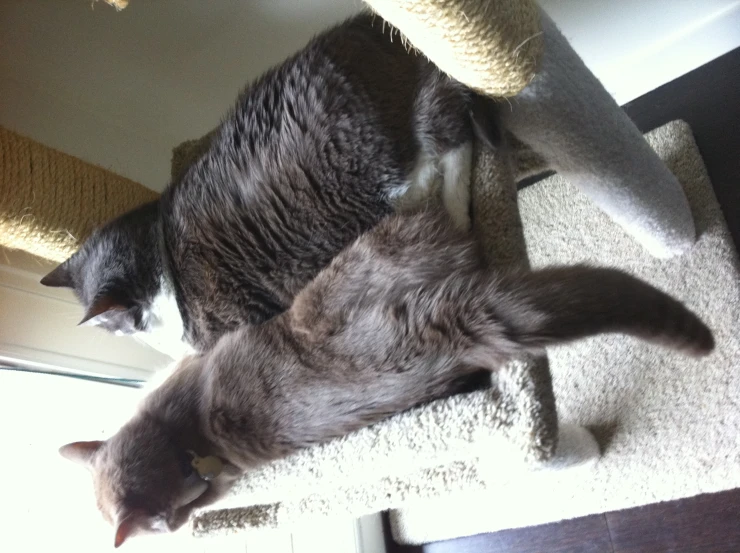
point(557, 115)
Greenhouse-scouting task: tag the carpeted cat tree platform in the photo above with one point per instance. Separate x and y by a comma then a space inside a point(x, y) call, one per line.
point(622, 206)
point(455, 467)
point(668, 425)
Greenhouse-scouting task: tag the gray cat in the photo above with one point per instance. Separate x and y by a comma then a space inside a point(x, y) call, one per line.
point(392, 322)
point(315, 152)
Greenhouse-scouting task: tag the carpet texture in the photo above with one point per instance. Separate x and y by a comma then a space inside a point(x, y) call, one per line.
point(427, 452)
point(493, 46)
point(567, 116)
point(669, 425)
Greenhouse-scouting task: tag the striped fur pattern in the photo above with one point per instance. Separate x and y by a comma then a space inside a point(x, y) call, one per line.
point(314, 153)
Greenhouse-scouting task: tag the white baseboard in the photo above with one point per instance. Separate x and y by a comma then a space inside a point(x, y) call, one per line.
point(369, 532)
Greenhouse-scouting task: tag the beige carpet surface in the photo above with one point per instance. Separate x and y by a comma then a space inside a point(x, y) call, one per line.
point(424, 453)
point(669, 425)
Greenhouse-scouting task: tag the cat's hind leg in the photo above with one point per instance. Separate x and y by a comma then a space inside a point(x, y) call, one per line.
point(420, 187)
point(444, 177)
point(456, 166)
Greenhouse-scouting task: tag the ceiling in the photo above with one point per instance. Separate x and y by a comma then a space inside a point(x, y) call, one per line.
point(113, 86)
point(120, 89)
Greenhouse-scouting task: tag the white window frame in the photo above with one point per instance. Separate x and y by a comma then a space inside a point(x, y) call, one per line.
point(38, 331)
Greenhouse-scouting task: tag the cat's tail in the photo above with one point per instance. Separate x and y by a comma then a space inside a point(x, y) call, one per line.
point(563, 304)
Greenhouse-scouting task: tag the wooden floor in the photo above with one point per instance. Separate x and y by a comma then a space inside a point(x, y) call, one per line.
point(709, 100)
point(702, 524)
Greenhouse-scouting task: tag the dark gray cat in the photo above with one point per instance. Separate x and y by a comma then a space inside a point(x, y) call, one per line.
point(316, 152)
point(392, 322)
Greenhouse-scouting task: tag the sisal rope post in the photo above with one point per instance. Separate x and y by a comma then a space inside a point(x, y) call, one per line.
point(492, 46)
point(51, 201)
point(118, 4)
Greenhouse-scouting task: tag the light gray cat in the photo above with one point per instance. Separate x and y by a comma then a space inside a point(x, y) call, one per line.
point(392, 322)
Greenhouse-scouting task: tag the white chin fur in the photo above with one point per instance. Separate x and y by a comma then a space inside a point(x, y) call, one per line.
point(165, 328)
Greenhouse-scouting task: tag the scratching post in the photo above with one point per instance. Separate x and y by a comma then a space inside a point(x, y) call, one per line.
point(493, 46)
point(568, 122)
point(498, 227)
point(567, 117)
point(667, 423)
point(51, 201)
point(559, 108)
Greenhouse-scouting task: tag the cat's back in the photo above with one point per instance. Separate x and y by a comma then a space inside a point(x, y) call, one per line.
point(303, 164)
point(343, 106)
point(402, 254)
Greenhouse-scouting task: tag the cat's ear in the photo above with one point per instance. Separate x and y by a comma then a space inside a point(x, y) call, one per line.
point(80, 452)
point(61, 277)
point(101, 305)
point(129, 524)
point(124, 530)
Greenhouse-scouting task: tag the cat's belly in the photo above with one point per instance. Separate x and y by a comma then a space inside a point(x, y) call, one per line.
point(443, 177)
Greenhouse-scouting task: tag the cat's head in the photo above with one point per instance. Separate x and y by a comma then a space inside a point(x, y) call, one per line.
point(143, 483)
point(116, 273)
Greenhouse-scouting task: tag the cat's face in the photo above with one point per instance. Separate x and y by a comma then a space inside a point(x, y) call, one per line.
point(142, 486)
point(116, 273)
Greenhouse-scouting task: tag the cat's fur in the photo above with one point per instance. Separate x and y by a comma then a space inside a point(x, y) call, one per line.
point(392, 322)
point(315, 152)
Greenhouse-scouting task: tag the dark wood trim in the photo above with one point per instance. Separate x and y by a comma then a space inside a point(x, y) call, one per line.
point(708, 99)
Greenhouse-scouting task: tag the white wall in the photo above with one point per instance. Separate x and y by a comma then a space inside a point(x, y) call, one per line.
point(38, 328)
point(635, 46)
point(121, 89)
